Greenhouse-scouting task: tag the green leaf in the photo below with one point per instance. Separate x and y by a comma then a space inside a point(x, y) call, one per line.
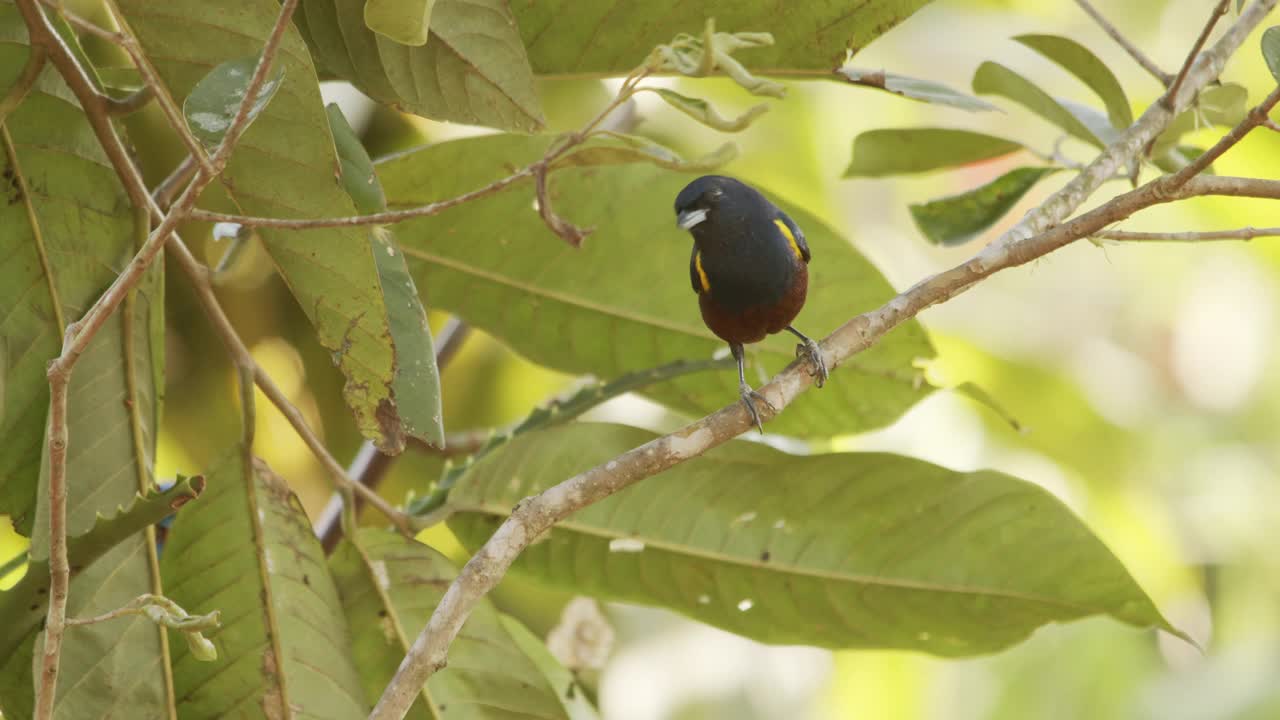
point(1271, 50)
point(404, 21)
point(617, 149)
point(960, 218)
point(557, 413)
point(915, 88)
point(358, 176)
point(705, 113)
point(566, 37)
point(622, 302)
point(330, 271)
point(389, 587)
point(566, 686)
point(847, 550)
point(472, 69)
point(877, 153)
point(247, 549)
point(66, 230)
point(214, 101)
point(24, 605)
point(416, 386)
point(1081, 62)
point(995, 79)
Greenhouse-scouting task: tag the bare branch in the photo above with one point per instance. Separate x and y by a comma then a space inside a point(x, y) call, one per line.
point(150, 78)
point(79, 334)
point(1040, 232)
point(1245, 233)
point(1132, 141)
point(1135, 53)
point(175, 181)
point(370, 465)
point(1218, 12)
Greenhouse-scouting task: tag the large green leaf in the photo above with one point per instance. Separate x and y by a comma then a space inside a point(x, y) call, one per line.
point(472, 68)
point(622, 302)
point(1081, 62)
point(1271, 50)
point(389, 588)
point(845, 550)
point(877, 153)
point(960, 218)
point(567, 37)
point(285, 165)
point(66, 230)
point(24, 605)
point(283, 652)
point(992, 78)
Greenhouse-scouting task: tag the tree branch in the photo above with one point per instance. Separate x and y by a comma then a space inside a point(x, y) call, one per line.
point(1139, 56)
point(1040, 232)
point(370, 466)
point(1218, 12)
point(79, 334)
point(1245, 233)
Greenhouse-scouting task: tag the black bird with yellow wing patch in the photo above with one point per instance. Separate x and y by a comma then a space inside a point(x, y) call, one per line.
point(750, 269)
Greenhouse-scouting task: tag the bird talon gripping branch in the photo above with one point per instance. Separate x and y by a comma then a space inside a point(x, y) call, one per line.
point(748, 396)
point(749, 269)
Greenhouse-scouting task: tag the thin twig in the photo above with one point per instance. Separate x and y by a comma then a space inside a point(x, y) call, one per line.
point(131, 103)
point(79, 334)
point(1218, 12)
point(1271, 125)
point(1036, 235)
point(537, 170)
point(370, 466)
point(59, 568)
point(1135, 53)
point(1245, 233)
point(197, 274)
point(1255, 117)
point(150, 78)
point(175, 181)
point(24, 82)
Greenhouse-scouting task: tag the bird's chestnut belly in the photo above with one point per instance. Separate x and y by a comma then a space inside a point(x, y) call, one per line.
point(751, 323)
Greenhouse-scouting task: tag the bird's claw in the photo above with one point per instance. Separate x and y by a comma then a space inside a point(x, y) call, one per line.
point(811, 353)
point(747, 396)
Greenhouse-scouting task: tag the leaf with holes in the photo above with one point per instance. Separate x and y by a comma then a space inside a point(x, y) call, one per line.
point(993, 78)
point(852, 550)
point(877, 153)
point(622, 302)
point(215, 100)
point(285, 165)
point(283, 651)
point(960, 218)
point(472, 68)
point(389, 587)
point(1081, 62)
point(915, 89)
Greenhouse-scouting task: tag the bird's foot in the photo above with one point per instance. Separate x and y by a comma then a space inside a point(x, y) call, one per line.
point(748, 395)
point(812, 354)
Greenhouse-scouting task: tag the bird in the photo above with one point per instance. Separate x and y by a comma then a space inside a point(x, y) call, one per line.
point(750, 270)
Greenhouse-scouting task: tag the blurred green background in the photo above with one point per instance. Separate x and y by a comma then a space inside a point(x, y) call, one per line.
point(1144, 376)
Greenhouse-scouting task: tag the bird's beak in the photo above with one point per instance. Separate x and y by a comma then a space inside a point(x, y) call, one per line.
point(687, 219)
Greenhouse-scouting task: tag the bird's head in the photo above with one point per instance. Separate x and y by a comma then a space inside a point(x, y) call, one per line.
point(698, 201)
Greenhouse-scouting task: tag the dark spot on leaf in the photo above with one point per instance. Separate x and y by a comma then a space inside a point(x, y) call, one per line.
point(392, 440)
point(34, 608)
point(443, 708)
point(764, 556)
point(306, 581)
point(42, 591)
point(382, 613)
point(569, 692)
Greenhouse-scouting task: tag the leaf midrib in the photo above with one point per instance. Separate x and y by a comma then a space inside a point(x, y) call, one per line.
point(782, 567)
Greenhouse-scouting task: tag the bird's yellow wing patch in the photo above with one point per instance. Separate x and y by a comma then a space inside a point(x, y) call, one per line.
point(702, 274)
point(791, 238)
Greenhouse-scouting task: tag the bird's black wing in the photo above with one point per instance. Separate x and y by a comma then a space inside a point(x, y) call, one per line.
point(797, 233)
